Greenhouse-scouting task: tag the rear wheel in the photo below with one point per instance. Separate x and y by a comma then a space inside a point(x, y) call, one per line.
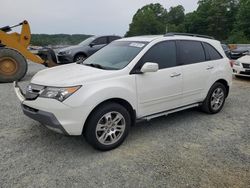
point(108, 126)
point(215, 99)
point(13, 66)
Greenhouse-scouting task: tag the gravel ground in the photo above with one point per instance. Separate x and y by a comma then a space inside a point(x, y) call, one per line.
point(185, 149)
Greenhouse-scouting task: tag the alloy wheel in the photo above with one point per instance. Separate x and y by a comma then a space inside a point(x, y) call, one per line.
point(110, 128)
point(217, 99)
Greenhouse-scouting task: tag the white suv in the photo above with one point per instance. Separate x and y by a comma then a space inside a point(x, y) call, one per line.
point(131, 79)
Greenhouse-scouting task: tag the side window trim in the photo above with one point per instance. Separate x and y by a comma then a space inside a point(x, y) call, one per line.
point(208, 57)
point(139, 64)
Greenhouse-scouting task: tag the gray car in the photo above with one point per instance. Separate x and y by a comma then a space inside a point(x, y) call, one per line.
point(84, 49)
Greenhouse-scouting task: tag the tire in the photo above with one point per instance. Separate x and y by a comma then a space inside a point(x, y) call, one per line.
point(13, 66)
point(215, 99)
point(102, 132)
point(79, 57)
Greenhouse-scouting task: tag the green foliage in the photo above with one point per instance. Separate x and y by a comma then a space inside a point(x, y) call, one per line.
point(238, 37)
point(58, 39)
point(150, 19)
point(175, 19)
point(226, 20)
point(243, 18)
point(216, 17)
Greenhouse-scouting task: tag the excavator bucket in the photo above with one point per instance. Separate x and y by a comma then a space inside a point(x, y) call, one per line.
point(14, 52)
point(49, 57)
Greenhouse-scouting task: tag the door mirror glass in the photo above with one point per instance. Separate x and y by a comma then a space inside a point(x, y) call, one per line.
point(92, 44)
point(150, 67)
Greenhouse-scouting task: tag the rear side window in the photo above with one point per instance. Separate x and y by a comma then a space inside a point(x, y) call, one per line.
point(211, 52)
point(163, 53)
point(191, 52)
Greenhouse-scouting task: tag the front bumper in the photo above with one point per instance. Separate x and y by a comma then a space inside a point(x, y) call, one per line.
point(46, 118)
point(240, 71)
point(55, 115)
point(64, 59)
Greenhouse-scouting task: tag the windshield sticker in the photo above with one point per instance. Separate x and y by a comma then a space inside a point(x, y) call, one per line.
point(137, 45)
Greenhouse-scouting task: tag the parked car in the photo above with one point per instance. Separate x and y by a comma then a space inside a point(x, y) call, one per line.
point(239, 52)
point(226, 50)
point(84, 49)
point(241, 66)
point(130, 80)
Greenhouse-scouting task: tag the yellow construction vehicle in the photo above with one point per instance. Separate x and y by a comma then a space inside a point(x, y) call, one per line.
point(14, 53)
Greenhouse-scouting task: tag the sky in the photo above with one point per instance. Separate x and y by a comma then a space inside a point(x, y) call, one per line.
point(97, 17)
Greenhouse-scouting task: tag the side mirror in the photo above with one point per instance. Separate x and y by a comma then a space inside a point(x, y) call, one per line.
point(150, 67)
point(92, 44)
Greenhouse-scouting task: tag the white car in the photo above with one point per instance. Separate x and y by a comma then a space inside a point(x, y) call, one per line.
point(241, 66)
point(131, 79)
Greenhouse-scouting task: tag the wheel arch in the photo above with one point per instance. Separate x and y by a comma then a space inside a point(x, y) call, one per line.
point(80, 53)
point(225, 83)
point(120, 101)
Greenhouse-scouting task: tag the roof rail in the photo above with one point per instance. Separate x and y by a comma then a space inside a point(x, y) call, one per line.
point(188, 34)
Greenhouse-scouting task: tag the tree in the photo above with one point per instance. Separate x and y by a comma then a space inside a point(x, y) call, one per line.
point(150, 19)
point(175, 19)
point(226, 20)
point(243, 18)
point(176, 15)
point(213, 17)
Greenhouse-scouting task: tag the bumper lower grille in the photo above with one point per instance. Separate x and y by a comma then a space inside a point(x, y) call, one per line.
point(245, 73)
point(246, 66)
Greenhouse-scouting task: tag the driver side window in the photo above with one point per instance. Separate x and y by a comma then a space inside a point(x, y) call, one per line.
point(163, 53)
point(100, 41)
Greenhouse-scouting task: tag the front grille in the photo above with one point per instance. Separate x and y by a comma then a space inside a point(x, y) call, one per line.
point(246, 66)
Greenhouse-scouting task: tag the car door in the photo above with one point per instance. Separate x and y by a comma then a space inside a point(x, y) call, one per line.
point(195, 70)
point(97, 44)
point(162, 90)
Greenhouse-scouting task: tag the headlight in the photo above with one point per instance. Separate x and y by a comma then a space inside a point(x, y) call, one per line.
point(59, 94)
point(65, 52)
point(237, 63)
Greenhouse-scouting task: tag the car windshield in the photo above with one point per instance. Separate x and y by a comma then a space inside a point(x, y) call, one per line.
point(115, 56)
point(87, 41)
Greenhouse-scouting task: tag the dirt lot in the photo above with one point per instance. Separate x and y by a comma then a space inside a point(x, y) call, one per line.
point(185, 149)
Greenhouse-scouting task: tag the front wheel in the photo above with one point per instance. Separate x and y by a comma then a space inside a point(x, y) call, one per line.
point(108, 126)
point(215, 99)
point(79, 57)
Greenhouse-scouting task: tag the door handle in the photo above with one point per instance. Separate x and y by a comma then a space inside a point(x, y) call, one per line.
point(209, 67)
point(175, 75)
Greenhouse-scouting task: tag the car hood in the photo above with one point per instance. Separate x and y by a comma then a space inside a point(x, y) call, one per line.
point(68, 48)
point(245, 59)
point(239, 50)
point(70, 75)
